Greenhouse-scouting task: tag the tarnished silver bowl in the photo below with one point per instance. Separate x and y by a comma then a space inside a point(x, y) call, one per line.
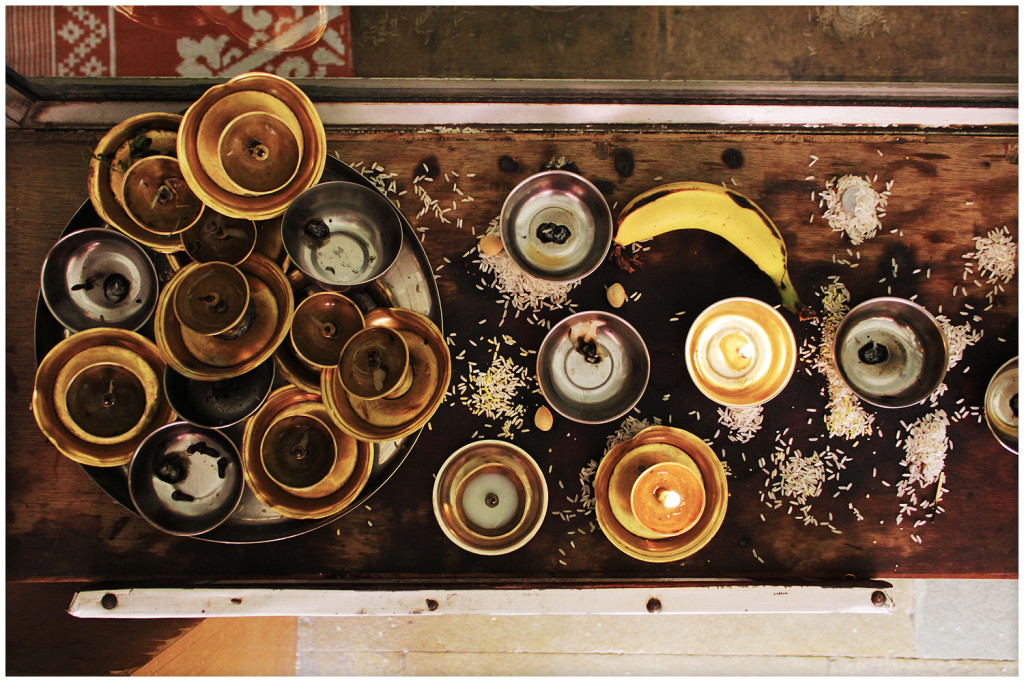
point(342, 234)
point(556, 226)
point(219, 403)
point(593, 367)
point(99, 278)
point(891, 352)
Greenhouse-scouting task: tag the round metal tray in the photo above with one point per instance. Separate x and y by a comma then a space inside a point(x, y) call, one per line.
point(409, 283)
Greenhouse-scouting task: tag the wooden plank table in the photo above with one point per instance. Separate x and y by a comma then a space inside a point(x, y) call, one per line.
point(947, 189)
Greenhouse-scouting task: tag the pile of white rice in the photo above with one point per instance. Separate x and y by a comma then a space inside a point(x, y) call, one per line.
point(742, 422)
point(996, 256)
point(926, 446)
point(864, 222)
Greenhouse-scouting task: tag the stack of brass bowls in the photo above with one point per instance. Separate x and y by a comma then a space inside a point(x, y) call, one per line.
point(249, 147)
point(297, 461)
point(408, 396)
point(661, 496)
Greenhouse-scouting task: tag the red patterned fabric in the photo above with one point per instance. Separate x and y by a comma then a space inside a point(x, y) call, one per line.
point(190, 41)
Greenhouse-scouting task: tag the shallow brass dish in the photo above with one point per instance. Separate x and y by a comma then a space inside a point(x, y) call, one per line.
point(674, 548)
point(217, 237)
point(124, 351)
point(321, 326)
point(157, 198)
point(105, 181)
point(210, 357)
point(259, 153)
point(353, 456)
point(311, 166)
point(384, 419)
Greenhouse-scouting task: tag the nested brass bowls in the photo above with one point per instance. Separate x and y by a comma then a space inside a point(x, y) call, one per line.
point(122, 146)
point(98, 394)
point(490, 497)
point(740, 352)
point(99, 278)
point(216, 237)
point(257, 152)
point(213, 299)
point(212, 119)
point(342, 234)
point(322, 325)
point(1002, 405)
point(186, 480)
point(202, 356)
point(298, 453)
point(157, 198)
point(338, 489)
point(389, 418)
point(627, 503)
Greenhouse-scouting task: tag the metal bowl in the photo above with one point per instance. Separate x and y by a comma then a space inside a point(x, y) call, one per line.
point(220, 403)
point(556, 226)
point(99, 278)
point(321, 326)
point(186, 480)
point(1001, 405)
point(259, 153)
point(589, 391)
point(157, 197)
point(342, 234)
point(217, 237)
point(490, 497)
point(891, 352)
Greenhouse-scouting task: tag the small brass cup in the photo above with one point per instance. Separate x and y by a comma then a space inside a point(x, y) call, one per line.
point(375, 364)
point(217, 237)
point(258, 153)
point(157, 197)
point(321, 326)
point(668, 498)
point(298, 452)
point(214, 300)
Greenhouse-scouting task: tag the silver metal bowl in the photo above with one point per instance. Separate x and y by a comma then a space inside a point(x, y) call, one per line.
point(556, 226)
point(1001, 405)
point(599, 384)
point(186, 480)
point(891, 352)
point(342, 234)
point(99, 278)
point(220, 403)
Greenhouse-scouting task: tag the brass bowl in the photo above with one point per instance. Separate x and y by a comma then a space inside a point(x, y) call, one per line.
point(375, 364)
point(99, 278)
point(490, 497)
point(157, 198)
point(668, 498)
point(1001, 405)
point(354, 456)
point(216, 237)
point(186, 480)
point(298, 452)
point(258, 153)
point(106, 174)
point(382, 420)
point(295, 370)
point(211, 357)
point(314, 146)
point(613, 503)
point(321, 326)
point(128, 359)
point(740, 352)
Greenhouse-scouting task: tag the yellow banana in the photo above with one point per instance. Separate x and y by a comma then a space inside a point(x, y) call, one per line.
point(715, 209)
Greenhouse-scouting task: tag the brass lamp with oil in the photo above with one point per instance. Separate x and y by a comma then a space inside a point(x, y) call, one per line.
point(213, 299)
point(740, 352)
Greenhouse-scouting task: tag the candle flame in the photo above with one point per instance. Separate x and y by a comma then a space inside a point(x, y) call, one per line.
point(746, 351)
point(670, 498)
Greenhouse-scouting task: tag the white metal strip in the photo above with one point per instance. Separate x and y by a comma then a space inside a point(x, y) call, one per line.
point(210, 602)
point(452, 115)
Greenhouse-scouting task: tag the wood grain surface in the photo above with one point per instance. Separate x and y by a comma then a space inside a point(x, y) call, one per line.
point(947, 189)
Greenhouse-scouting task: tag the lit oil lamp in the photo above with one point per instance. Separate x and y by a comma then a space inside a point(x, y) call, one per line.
point(668, 498)
point(740, 352)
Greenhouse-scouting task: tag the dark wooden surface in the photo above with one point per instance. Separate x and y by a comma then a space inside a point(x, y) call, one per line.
point(61, 526)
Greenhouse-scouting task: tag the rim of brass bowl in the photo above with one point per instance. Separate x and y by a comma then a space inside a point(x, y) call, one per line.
point(204, 243)
point(336, 399)
point(310, 346)
point(1005, 434)
point(204, 277)
point(271, 288)
point(314, 141)
point(909, 318)
point(192, 516)
point(44, 410)
point(471, 459)
point(88, 245)
point(224, 111)
point(166, 168)
point(780, 336)
point(297, 371)
point(282, 141)
point(676, 547)
point(99, 364)
point(101, 191)
point(281, 401)
point(325, 484)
